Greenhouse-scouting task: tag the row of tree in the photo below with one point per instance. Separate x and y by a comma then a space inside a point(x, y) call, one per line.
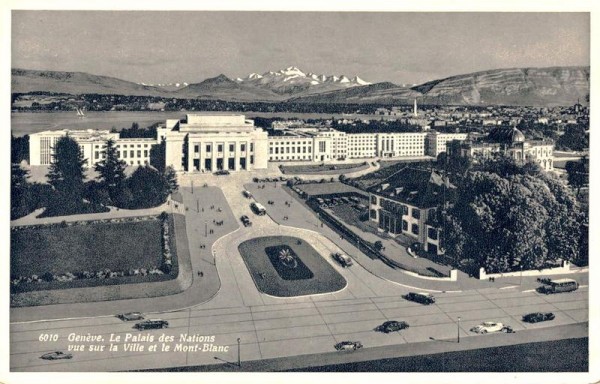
point(68, 193)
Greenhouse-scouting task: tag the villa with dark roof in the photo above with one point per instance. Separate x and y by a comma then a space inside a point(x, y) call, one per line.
point(406, 204)
point(508, 141)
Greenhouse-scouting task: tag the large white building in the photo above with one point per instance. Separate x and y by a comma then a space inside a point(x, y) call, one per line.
point(332, 144)
point(199, 142)
point(92, 144)
point(210, 142)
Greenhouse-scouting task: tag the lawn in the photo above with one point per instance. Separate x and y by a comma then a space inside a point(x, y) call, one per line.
point(312, 276)
point(325, 169)
point(116, 246)
point(328, 188)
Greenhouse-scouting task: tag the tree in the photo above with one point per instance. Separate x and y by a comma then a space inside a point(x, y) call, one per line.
point(578, 173)
point(66, 176)
point(512, 223)
point(170, 178)
point(158, 155)
point(19, 192)
point(148, 188)
point(111, 171)
point(19, 149)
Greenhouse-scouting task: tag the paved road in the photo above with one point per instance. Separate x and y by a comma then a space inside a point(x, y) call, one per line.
point(270, 327)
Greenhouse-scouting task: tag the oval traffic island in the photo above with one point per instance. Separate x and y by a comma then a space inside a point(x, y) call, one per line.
point(287, 266)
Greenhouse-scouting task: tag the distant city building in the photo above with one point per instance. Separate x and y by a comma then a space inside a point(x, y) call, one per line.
point(510, 142)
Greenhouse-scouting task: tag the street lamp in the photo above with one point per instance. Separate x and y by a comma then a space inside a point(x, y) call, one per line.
point(458, 329)
point(239, 359)
point(205, 228)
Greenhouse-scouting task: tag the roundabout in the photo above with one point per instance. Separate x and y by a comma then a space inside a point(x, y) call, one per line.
point(286, 266)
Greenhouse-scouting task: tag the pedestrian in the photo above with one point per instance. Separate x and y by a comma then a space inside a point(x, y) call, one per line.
point(201, 274)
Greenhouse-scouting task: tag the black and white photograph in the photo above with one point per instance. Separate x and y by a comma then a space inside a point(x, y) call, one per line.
point(305, 190)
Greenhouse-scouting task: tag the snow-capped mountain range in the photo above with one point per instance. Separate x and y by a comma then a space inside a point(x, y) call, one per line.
point(295, 75)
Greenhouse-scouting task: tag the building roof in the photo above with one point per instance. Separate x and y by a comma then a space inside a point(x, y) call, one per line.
point(506, 135)
point(418, 187)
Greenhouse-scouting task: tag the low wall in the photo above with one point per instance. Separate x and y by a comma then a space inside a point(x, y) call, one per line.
point(565, 268)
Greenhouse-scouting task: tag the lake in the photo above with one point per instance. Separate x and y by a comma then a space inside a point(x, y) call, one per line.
point(25, 123)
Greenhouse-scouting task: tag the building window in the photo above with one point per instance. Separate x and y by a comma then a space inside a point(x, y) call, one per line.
point(321, 146)
point(97, 155)
point(118, 154)
point(251, 147)
point(131, 153)
point(270, 150)
point(220, 148)
point(145, 153)
point(251, 159)
point(373, 214)
point(373, 199)
point(231, 147)
point(196, 148)
point(139, 153)
point(243, 147)
point(415, 229)
point(404, 225)
point(208, 148)
point(432, 233)
point(124, 154)
point(416, 213)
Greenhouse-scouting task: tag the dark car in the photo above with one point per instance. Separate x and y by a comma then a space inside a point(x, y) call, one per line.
point(246, 220)
point(222, 172)
point(343, 260)
point(348, 345)
point(423, 298)
point(152, 324)
point(130, 316)
point(57, 355)
point(536, 317)
point(392, 326)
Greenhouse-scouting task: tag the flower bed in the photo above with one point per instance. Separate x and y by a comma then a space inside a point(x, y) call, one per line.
point(92, 243)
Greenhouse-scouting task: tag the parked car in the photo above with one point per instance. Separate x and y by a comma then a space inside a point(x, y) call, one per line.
point(348, 345)
point(57, 355)
point(536, 317)
point(423, 298)
point(152, 324)
point(344, 260)
point(222, 172)
point(131, 316)
point(392, 326)
point(491, 326)
point(247, 194)
point(246, 220)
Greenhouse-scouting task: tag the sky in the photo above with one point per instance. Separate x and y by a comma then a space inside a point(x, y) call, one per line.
point(190, 46)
